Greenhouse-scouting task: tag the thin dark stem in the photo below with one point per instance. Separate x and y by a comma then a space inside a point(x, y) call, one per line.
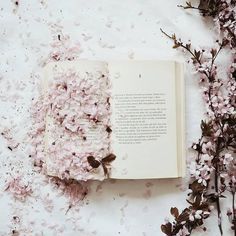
point(182, 45)
point(208, 75)
point(218, 200)
point(217, 53)
point(69, 207)
point(194, 8)
point(199, 153)
point(234, 213)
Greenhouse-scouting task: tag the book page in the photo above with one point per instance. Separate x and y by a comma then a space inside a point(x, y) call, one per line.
point(83, 110)
point(144, 136)
point(180, 118)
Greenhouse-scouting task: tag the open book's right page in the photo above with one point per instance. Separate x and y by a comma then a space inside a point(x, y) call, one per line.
point(147, 135)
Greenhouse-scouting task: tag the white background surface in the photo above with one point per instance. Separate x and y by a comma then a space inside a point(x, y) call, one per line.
point(105, 29)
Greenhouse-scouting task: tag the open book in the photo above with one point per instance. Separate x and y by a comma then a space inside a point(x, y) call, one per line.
point(132, 109)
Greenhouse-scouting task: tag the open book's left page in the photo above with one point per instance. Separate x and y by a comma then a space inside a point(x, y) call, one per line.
point(78, 120)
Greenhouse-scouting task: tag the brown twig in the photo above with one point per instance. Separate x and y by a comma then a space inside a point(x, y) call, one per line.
point(234, 213)
point(197, 58)
point(218, 200)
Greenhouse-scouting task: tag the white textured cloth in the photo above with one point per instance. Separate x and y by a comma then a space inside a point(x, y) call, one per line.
point(106, 29)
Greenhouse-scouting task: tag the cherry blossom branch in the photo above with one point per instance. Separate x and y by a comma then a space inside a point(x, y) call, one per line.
point(197, 57)
point(215, 160)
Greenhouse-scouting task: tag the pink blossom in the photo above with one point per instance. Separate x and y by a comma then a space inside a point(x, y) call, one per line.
point(183, 232)
point(227, 158)
point(19, 188)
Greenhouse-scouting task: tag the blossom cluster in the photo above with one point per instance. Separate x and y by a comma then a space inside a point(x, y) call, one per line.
point(79, 117)
point(19, 188)
point(75, 124)
point(225, 21)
